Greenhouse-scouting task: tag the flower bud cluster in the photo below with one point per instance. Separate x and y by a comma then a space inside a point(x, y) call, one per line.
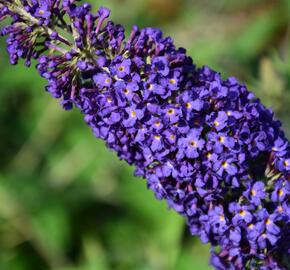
point(204, 144)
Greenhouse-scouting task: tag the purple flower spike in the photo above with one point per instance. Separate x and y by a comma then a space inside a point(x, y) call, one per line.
point(204, 144)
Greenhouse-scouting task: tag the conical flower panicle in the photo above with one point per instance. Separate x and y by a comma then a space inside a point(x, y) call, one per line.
point(205, 144)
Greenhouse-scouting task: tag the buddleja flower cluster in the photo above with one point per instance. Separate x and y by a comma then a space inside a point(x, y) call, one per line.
point(204, 144)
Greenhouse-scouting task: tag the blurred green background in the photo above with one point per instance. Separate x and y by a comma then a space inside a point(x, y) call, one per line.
point(66, 202)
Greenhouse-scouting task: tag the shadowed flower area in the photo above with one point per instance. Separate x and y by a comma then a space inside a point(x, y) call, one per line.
point(204, 143)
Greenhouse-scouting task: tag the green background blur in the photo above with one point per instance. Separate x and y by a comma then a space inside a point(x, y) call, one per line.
point(66, 202)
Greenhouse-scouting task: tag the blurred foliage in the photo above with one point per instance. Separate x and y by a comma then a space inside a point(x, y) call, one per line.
point(66, 202)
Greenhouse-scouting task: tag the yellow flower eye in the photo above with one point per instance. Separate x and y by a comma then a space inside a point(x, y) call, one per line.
point(280, 192)
point(187, 105)
point(172, 81)
point(242, 213)
point(193, 143)
point(251, 226)
point(253, 192)
point(126, 91)
point(280, 209)
point(121, 68)
point(149, 86)
point(225, 164)
point(216, 123)
point(157, 123)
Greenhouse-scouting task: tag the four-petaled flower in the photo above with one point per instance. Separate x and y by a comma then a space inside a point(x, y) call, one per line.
point(191, 144)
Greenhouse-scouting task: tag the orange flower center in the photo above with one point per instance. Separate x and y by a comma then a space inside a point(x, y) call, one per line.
point(242, 213)
point(188, 105)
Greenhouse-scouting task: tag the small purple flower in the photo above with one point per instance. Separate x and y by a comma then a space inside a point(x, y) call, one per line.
point(152, 86)
point(220, 141)
point(173, 82)
point(256, 193)
point(282, 211)
point(171, 114)
point(114, 118)
point(156, 142)
point(190, 145)
point(262, 240)
point(102, 79)
point(268, 221)
point(280, 146)
point(123, 68)
point(235, 235)
point(286, 164)
point(141, 135)
point(218, 90)
point(156, 123)
point(191, 103)
point(43, 11)
point(281, 191)
point(217, 219)
point(155, 185)
point(170, 136)
point(241, 214)
point(133, 114)
point(160, 65)
point(220, 121)
point(126, 90)
point(225, 165)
